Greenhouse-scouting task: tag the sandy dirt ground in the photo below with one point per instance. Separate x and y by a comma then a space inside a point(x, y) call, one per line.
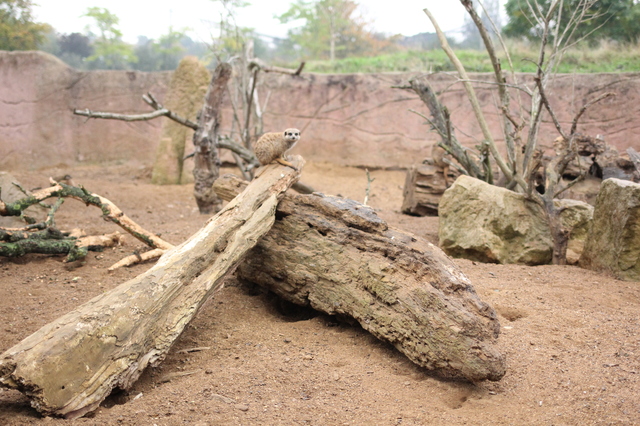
point(571, 336)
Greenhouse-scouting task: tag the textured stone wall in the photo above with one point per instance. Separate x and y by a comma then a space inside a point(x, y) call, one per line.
point(350, 119)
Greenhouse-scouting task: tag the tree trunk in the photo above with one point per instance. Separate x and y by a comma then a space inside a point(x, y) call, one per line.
point(338, 257)
point(207, 160)
point(70, 365)
point(423, 189)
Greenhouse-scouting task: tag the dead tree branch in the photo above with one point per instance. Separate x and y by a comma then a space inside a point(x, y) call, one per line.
point(123, 117)
point(574, 124)
point(61, 190)
point(152, 101)
point(207, 160)
point(257, 63)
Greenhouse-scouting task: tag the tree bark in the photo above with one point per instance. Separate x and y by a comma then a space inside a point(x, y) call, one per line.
point(423, 188)
point(70, 365)
point(338, 257)
point(207, 159)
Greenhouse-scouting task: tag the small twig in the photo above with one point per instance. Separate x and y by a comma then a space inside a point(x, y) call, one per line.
point(189, 350)
point(168, 377)
point(579, 179)
point(137, 258)
point(369, 180)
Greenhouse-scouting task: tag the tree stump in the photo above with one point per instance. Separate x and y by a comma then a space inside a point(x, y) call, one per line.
point(338, 257)
point(70, 365)
point(423, 189)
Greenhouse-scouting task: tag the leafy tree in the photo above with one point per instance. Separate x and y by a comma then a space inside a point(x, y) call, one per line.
point(614, 19)
point(110, 51)
point(332, 29)
point(161, 55)
point(75, 44)
point(18, 31)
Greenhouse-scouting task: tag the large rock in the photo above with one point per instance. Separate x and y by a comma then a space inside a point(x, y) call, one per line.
point(613, 243)
point(483, 222)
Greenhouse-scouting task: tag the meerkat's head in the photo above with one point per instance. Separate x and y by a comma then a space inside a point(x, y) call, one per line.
point(292, 136)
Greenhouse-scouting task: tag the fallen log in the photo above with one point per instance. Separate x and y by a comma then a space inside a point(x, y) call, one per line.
point(70, 365)
point(339, 257)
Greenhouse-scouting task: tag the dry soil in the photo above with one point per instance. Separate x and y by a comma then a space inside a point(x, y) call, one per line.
point(571, 336)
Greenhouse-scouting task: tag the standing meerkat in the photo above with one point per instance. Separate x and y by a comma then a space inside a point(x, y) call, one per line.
point(272, 146)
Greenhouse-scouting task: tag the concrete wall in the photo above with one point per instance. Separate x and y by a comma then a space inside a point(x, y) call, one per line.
point(351, 119)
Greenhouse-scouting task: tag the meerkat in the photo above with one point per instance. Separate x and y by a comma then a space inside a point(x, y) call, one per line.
point(272, 147)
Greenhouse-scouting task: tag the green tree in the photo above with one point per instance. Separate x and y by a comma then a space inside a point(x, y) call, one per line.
point(18, 31)
point(331, 29)
point(163, 54)
point(110, 51)
point(609, 19)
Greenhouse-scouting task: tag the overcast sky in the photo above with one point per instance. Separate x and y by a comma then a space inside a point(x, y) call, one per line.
point(152, 18)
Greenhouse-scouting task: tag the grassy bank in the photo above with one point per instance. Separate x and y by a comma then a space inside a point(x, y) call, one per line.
point(606, 57)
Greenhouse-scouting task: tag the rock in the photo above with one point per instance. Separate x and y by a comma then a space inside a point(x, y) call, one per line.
point(185, 97)
point(487, 223)
point(613, 243)
point(9, 193)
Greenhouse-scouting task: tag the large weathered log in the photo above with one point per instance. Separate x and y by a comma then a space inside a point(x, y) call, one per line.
point(70, 365)
point(338, 257)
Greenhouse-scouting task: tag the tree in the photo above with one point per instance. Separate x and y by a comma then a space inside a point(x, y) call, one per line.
point(75, 44)
point(18, 31)
point(521, 124)
point(331, 29)
point(489, 10)
point(161, 55)
point(110, 52)
point(613, 19)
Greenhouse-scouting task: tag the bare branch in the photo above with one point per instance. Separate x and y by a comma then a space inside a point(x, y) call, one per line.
point(151, 100)
point(124, 117)
point(474, 101)
point(569, 185)
point(257, 63)
point(545, 102)
point(574, 125)
point(137, 258)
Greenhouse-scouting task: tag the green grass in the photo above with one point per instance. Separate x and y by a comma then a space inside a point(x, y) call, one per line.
point(606, 57)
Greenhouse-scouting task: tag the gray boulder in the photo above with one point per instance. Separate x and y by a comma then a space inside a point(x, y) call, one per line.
point(613, 243)
point(9, 193)
point(487, 223)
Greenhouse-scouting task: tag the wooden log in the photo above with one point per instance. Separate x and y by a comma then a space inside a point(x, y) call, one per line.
point(337, 256)
point(70, 365)
point(423, 189)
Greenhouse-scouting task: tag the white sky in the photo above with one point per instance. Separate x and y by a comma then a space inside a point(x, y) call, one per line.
point(152, 18)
